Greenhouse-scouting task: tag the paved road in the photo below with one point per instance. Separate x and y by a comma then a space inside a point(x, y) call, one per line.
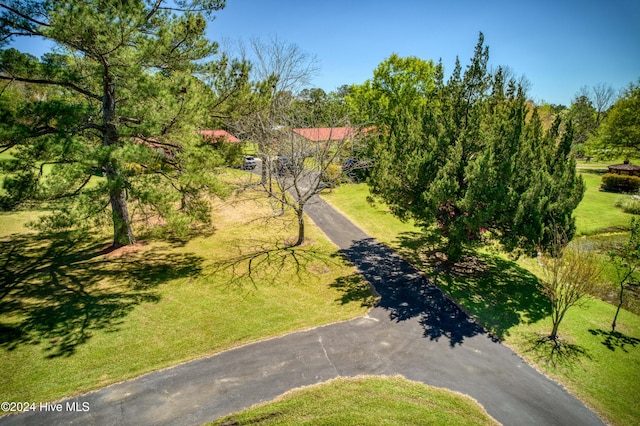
point(413, 331)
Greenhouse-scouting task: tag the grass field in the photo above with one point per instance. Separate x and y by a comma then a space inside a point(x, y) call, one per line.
point(597, 212)
point(15, 222)
point(600, 368)
point(75, 316)
point(365, 401)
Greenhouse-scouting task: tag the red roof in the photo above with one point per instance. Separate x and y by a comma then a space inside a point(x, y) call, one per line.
point(219, 135)
point(319, 134)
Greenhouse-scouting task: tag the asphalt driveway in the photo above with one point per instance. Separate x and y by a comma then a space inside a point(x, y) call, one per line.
point(413, 331)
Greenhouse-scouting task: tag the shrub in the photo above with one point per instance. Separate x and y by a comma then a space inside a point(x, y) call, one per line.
point(629, 204)
point(331, 175)
point(620, 183)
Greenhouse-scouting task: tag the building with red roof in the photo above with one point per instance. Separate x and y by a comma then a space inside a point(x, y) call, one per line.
point(219, 136)
point(323, 134)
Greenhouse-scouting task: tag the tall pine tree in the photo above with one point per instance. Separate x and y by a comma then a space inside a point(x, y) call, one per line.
point(116, 97)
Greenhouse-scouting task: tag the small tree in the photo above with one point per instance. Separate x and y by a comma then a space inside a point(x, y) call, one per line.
point(626, 260)
point(570, 275)
point(302, 167)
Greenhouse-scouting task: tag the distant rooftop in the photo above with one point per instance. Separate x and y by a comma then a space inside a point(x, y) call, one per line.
point(624, 168)
point(219, 135)
point(320, 134)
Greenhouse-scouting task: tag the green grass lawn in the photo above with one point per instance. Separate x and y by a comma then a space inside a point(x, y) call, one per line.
point(597, 212)
point(374, 218)
point(365, 401)
point(600, 368)
point(76, 317)
point(15, 222)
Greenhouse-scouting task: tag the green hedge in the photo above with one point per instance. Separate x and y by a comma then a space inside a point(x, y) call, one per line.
point(620, 183)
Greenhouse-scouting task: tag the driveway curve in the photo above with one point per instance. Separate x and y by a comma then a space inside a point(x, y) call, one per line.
point(414, 331)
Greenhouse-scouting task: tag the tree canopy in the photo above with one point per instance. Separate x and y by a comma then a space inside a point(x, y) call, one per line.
point(117, 97)
point(467, 155)
point(620, 129)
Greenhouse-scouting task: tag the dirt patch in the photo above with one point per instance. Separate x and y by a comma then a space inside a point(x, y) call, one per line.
point(319, 269)
point(121, 251)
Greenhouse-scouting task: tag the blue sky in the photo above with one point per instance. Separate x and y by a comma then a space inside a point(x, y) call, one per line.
point(559, 45)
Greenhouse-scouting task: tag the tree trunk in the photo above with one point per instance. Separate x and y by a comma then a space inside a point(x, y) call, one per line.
point(122, 232)
point(454, 249)
point(300, 214)
point(615, 317)
point(557, 317)
point(266, 170)
point(554, 332)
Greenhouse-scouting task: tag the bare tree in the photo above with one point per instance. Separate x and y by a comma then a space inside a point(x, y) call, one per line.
point(303, 162)
point(602, 97)
point(285, 65)
point(278, 71)
point(295, 166)
point(571, 273)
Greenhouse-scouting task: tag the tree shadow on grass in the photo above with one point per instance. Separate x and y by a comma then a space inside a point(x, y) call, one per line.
point(259, 261)
point(267, 261)
point(355, 289)
point(599, 171)
point(414, 245)
point(496, 291)
point(558, 353)
point(615, 339)
point(406, 293)
point(56, 290)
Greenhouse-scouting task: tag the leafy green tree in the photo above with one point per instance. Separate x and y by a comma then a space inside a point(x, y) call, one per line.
point(397, 83)
point(315, 107)
point(466, 155)
point(311, 104)
point(116, 98)
point(583, 116)
point(620, 130)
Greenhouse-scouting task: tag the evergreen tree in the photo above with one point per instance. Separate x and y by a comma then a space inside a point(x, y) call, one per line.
point(118, 98)
point(467, 156)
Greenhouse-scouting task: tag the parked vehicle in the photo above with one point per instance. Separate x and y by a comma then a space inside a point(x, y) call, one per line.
point(284, 166)
point(249, 163)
